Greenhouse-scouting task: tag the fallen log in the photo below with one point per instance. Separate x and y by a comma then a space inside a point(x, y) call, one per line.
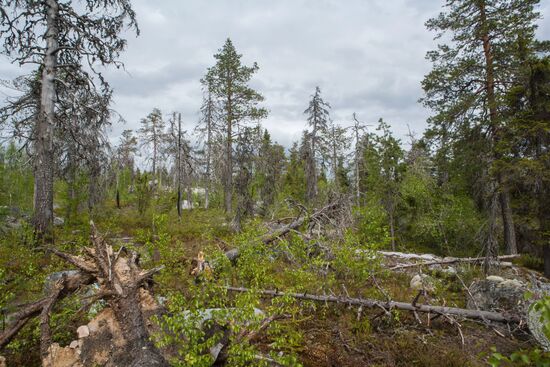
point(272, 236)
point(388, 305)
point(453, 260)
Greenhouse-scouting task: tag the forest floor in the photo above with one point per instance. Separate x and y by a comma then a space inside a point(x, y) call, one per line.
point(330, 335)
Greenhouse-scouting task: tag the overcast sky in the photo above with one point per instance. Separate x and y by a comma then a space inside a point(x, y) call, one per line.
point(366, 55)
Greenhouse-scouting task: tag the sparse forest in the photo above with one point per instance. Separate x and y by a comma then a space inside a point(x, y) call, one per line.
point(208, 243)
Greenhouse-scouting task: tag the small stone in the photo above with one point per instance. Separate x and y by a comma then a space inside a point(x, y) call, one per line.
point(83, 331)
point(422, 282)
point(511, 283)
point(495, 279)
point(74, 344)
point(93, 327)
point(58, 221)
point(450, 270)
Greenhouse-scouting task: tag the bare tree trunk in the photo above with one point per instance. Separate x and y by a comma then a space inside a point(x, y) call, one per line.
point(392, 231)
point(178, 173)
point(228, 187)
point(94, 194)
point(117, 190)
point(508, 222)
point(357, 182)
point(207, 195)
point(154, 160)
point(189, 192)
point(546, 257)
point(44, 155)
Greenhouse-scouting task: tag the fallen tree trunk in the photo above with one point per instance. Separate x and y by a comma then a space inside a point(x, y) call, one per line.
point(270, 237)
point(388, 305)
point(453, 260)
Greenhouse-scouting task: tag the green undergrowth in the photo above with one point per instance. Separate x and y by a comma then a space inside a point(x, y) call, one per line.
point(349, 266)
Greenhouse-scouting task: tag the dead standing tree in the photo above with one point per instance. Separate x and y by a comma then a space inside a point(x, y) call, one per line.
point(206, 129)
point(180, 148)
point(152, 136)
point(60, 36)
point(120, 281)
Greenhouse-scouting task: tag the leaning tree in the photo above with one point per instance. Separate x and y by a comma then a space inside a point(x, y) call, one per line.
point(67, 41)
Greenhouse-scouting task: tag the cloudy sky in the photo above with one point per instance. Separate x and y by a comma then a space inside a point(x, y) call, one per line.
point(366, 55)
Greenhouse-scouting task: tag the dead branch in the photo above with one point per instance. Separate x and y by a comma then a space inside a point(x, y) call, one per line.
point(272, 236)
point(371, 303)
point(451, 261)
point(21, 317)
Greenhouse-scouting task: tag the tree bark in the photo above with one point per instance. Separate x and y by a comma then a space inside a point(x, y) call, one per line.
point(44, 154)
point(178, 173)
point(228, 187)
point(392, 231)
point(546, 256)
point(508, 222)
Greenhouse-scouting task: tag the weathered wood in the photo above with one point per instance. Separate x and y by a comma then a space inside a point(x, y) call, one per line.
point(371, 303)
point(272, 236)
point(452, 261)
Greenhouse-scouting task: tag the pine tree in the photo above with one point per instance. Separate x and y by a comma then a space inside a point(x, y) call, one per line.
point(228, 82)
point(152, 136)
point(470, 77)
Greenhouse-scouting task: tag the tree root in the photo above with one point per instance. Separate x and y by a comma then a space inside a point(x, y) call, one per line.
point(120, 279)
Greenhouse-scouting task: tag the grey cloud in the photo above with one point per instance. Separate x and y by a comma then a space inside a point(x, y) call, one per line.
point(366, 55)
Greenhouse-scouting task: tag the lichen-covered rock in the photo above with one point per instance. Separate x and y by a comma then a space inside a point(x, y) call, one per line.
point(54, 277)
point(497, 294)
point(536, 327)
point(58, 221)
point(423, 282)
